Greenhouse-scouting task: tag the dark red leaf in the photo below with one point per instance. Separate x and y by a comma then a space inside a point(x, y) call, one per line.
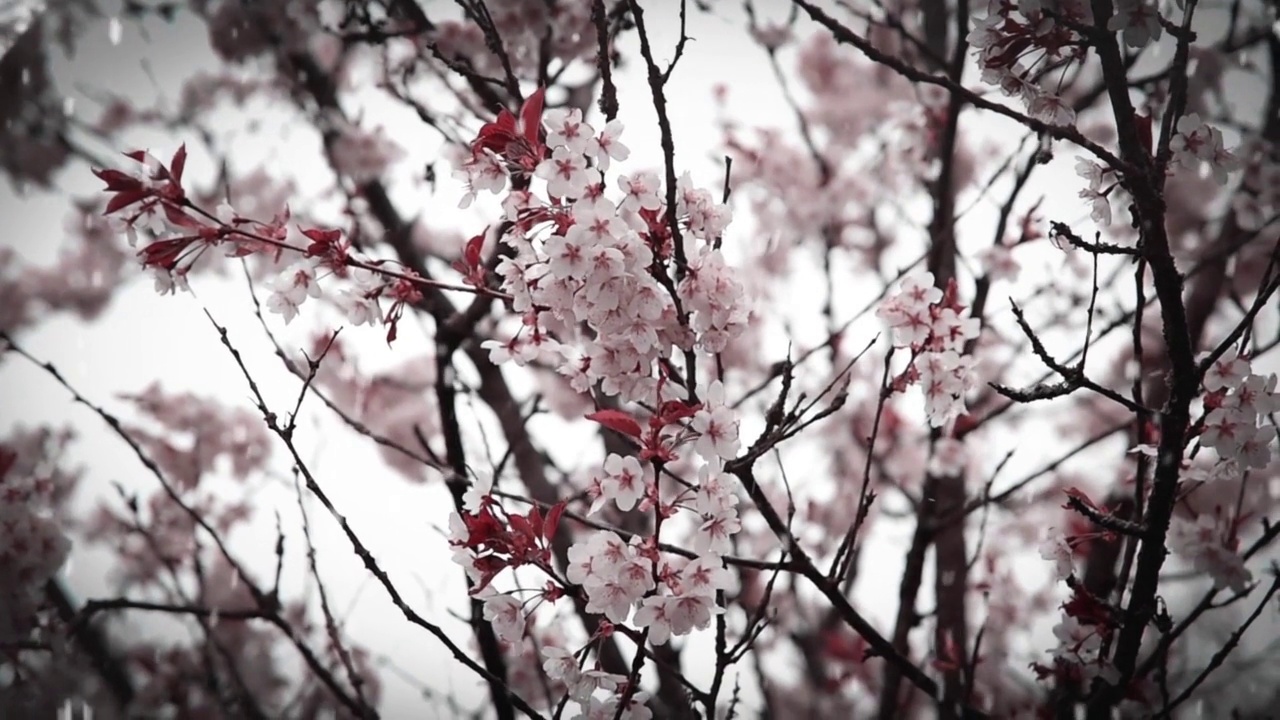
point(618, 421)
point(552, 522)
point(322, 235)
point(117, 181)
point(165, 253)
point(521, 525)
point(179, 218)
point(506, 121)
point(7, 459)
point(531, 116)
point(535, 519)
point(674, 410)
point(178, 163)
point(124, 199)
point(472, 253)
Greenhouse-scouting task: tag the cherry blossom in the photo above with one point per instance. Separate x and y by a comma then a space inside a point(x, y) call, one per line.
point(716, 425)
point(566, 128)
point(1056, 550)
point(1139, 21)
point(1210, 544)
point(566, 173)
point(625, 481)
point(1196, 142)
point(606, 146)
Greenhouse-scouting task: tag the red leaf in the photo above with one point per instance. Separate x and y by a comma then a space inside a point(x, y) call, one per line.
point(552, 522)
point(506, 121)
point(117, 181)
point(124, 199)
point(521, 525)
point(535, 519)
point(165, 253)
point(618, 421)
point(180, 218)
point(672, 411)
point(531, 116)
point(9, 457)
point(178, 163)
point(471, 255)
point(1079, 495)
point(322, 235)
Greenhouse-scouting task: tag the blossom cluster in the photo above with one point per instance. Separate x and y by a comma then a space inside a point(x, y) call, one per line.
point(363, 155)
point(532, 33)
point(667, 595)
point(1211, 542)
point(32, 547)
point(151, 207)
point(1237, 403)
point(935, 327)
point(609, 291)
point(1086, 625)
point(582, 260)
point(1138, 21)
point(1104, 182)
point(1257, 203)
point(1195, 143)
point(1018, 46)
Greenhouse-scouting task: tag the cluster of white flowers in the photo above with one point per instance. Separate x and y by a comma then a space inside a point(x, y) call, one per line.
point(1080, 648)
point(361, 154)
point(936, 330)
point(1257, 203)
point(999, 263)
point(1209, 541)
point(1238, 403)
point(1057, 550)
point(597, 267)
point(1103, 182)
point(583, 685)
point(292, 287)
point(606, 297)
point(1138, 20)
point(1011, 41)
point(1196, 143)
point(32, 547)
point(177, 234)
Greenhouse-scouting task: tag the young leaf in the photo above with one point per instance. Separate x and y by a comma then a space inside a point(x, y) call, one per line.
point(618, 421)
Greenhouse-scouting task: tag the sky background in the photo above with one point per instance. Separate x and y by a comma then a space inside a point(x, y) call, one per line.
point(143, 338)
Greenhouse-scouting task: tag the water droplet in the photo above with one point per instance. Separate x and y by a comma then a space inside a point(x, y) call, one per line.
point(114, 30)
point(26, 76)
